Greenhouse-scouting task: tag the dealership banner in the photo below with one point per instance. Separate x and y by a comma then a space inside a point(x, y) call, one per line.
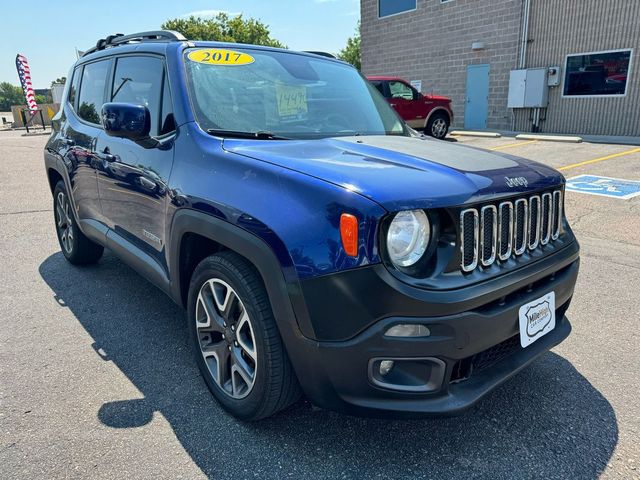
point(24, 72)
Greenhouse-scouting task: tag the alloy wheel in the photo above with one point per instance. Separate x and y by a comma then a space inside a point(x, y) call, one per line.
point(64, 222)
point(226, 338)
point(439, 128)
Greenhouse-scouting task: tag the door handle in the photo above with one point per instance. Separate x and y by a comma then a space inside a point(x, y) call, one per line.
point(67, 141)
point(147, 184)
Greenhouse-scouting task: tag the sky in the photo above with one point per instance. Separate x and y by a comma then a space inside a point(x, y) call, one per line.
point(61, 26)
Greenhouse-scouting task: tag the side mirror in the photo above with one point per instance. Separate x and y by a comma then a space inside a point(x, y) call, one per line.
point(125, 120)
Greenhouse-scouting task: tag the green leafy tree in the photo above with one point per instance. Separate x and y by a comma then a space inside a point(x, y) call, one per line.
point(351, 52)
point(61, 80)
point(223, 28)
point(43, 98)
point(10, 95)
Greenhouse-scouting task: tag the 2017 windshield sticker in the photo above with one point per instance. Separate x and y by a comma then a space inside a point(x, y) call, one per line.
point(292, 100)
point(220, 56)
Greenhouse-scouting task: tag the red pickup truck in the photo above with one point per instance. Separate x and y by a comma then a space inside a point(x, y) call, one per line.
point(430, 113)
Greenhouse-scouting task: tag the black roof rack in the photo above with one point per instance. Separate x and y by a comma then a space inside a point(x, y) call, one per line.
point(322, 54)
point(120, 39)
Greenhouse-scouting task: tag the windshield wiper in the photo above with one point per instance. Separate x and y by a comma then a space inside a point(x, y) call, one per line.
point(259, 135)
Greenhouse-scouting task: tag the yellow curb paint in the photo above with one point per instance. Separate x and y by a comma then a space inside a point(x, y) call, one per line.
point(510, 145)
point(601, 159)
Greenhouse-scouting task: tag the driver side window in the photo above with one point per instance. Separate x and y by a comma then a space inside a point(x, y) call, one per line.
point(138, 80)
point(400, 90)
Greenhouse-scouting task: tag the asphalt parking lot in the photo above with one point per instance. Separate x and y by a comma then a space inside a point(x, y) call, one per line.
point(97, 378)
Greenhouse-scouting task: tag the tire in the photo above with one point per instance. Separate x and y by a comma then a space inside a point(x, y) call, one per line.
point(75, 246)
point(438, 125)
point(232, 327)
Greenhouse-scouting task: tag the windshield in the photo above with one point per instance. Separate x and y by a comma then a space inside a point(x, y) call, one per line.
point(285, 95)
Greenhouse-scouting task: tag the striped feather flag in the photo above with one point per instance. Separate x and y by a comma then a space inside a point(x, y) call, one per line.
point(24, 72)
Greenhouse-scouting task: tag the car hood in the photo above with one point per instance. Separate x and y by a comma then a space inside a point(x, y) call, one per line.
point(404, 172)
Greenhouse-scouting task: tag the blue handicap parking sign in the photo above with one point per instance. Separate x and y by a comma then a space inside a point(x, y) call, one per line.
point(604, 186)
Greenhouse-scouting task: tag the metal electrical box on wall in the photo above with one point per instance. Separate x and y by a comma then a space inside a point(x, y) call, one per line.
point(553, 79)
point(528, 88)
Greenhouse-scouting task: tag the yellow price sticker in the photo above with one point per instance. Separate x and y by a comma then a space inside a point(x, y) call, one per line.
point(292, 100)
point(219, 56)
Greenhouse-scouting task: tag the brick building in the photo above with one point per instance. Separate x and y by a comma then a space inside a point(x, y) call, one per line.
point(589, 80)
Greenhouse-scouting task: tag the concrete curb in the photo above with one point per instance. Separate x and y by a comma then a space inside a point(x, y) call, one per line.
point(35, 134)
point(549, 138)
point(465, 133)
point(611, 139)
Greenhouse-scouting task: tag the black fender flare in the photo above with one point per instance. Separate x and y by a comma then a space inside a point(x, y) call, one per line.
point(53, 161)
point(286, 299)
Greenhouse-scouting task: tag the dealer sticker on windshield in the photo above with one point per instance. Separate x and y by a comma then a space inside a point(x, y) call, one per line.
point(537, 318)
point(292, 100)
point(220, 56)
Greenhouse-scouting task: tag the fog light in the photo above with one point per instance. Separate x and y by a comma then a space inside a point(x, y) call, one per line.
point(385, 367)
point(406, 374)
point(408, 330)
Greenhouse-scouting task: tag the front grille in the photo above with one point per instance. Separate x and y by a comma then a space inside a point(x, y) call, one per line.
point(490, 233)
point(505, 220)
point(493, 355)
point(556, 215)
point(534, 222)
point(469, 239)
point(545, 230)
point(463, 369)
point(520, 227)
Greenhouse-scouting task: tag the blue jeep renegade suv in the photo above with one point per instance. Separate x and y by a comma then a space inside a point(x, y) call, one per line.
point(318, 244)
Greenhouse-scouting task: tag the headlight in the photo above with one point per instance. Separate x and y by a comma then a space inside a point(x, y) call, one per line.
point(408, 237)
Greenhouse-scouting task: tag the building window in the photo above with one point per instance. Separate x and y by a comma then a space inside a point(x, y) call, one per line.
point(597, 74)
point(387, 8)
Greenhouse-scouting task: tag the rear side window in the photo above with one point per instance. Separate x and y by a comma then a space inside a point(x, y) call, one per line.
point(94, 79)
point(379, 86)
point(400, 90)
point(73, 89)
point(138, 80)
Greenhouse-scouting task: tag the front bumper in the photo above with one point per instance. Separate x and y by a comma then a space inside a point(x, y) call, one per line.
point(475, 349)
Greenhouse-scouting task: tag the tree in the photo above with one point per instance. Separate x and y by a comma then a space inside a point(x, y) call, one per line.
point(10, 95)
point(43, 98)
point(351, 52)
point(61, 80)
point(223, 28)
